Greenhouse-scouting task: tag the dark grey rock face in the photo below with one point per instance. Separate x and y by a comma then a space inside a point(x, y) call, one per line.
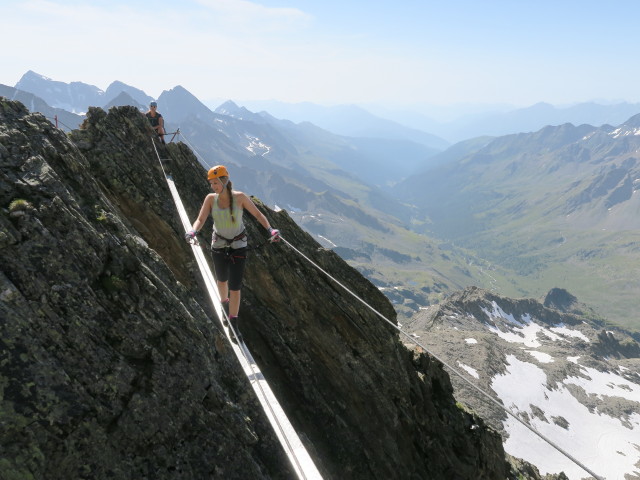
point(110, 366)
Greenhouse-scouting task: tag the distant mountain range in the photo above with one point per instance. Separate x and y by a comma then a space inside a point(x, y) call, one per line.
point(63, 118)
point(557, 207)
point(350, 121)
point(540, 115)
point(492, 121)
point(520, 206)
point(357, 122)
point(76, 97)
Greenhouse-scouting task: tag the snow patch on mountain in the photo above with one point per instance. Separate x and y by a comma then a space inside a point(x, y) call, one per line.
point(569, 376)
point(622, 132)
point(599, 441)
point(541, 356)
point(525, 330)
point(527, 335)
point(470, 370)
point(605, 384)
point(563, 330)
point(498, 312)
point(257, 146)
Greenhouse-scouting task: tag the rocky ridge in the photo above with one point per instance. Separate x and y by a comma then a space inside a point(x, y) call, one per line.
point(110, 364)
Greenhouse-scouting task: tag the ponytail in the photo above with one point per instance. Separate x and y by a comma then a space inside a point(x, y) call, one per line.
point(229, 187)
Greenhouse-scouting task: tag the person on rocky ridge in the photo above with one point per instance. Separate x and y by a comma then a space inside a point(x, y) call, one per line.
point(229, 242)
point(156, 120)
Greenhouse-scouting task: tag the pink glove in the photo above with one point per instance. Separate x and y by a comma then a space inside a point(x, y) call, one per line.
point(274, 235)
point(190, 236)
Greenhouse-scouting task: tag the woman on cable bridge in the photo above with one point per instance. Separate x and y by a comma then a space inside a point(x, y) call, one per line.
point(229, 243)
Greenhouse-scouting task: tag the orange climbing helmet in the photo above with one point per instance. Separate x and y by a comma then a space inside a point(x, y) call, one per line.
point(217, 172)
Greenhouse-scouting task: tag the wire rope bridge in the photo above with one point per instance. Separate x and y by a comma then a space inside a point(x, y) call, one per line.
point(295, 450)
point(293, 447)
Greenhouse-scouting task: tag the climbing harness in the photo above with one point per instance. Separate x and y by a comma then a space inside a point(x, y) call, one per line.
point(240, 236)
point(230, 253)
point(288, 437)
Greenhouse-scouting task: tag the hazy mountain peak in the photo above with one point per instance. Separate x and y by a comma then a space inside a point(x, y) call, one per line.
point(178, 103)
point(33, 76)
point(630, 128)
point(179, 90)
point(179, 93)
point(74, 97)
point(633, 121)
point(232, 109)
point(117, 87)
point(541, 107)
point(122, 99)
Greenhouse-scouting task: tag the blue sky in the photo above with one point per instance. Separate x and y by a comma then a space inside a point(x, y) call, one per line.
point(393, 53)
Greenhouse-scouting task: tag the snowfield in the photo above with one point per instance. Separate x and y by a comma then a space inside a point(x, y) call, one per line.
point(599, 441)
point(571, 391)
point(607, 445)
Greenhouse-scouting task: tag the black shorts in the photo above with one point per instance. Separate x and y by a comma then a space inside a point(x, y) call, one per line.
point(229, 265)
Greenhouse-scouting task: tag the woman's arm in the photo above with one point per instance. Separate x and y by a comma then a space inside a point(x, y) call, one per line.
point(250, 207)
point(205, 210)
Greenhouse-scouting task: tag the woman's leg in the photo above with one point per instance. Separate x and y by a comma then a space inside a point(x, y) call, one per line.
point(236, 272)
point(234, 303)
point(221, 268)
point(223, 290)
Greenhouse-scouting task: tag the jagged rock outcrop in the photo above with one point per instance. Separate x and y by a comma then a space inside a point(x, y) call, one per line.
point(111, 367)
point(608, 345)
point(560, 299)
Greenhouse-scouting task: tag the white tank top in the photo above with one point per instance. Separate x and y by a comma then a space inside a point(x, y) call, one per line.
point(225, 227)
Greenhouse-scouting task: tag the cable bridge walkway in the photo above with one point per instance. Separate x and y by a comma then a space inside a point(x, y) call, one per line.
point(288, 437)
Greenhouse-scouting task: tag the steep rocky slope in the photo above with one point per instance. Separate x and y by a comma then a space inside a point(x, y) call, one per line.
point(110, 364)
